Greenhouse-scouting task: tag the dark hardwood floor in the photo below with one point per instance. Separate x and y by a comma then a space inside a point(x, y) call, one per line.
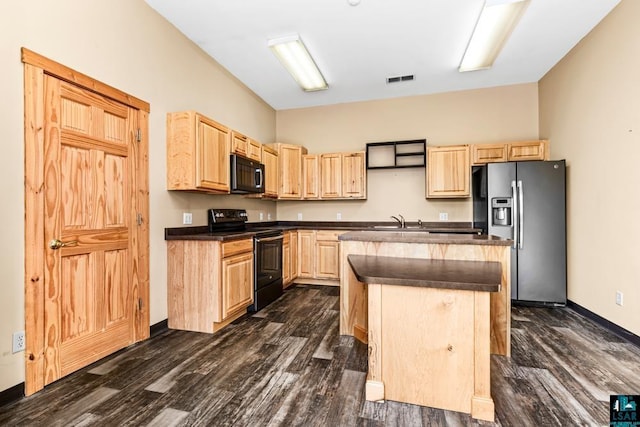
point(287, 365)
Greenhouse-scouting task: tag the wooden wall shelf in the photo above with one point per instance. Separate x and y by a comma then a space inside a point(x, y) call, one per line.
point(396, 154)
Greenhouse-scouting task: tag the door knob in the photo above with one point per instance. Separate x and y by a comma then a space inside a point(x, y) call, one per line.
point(57, 243)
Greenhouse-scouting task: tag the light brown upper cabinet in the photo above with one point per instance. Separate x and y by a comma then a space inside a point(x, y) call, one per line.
point(330, 176)
point(342, 176)
point(254, 150)
point(528, 150)
point(290, 166)
point(488, 153)
point(271, 171)
point(239, 143)
point(197, 153)
point(354, 179)
point(310, 182)
point(448, 169)
point(510, 152)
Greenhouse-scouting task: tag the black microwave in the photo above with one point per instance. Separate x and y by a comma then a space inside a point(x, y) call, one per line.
point(247, 176)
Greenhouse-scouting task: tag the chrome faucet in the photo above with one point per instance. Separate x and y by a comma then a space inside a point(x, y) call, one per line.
point(400, 220)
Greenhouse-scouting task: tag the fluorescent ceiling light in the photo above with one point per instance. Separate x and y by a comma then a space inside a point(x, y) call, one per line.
point(295, 57)
point(497, 19)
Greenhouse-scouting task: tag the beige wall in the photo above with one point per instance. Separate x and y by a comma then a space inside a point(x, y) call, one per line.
point(590, 111)
point(127, 45)
point(508, 113)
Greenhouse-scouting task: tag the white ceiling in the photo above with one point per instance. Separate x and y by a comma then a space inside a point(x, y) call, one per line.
point(358, 47)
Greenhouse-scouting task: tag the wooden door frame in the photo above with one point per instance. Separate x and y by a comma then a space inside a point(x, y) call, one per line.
point(35, 68)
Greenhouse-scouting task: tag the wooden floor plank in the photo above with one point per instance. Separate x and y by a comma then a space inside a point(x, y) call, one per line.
point(288, 366)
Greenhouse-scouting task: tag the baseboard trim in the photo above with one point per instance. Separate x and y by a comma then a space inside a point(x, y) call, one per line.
point(158, 328)
point(12, 394)
point(17, 391)
point(621, 332)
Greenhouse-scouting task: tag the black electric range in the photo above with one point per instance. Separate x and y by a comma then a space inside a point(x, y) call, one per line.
point(267, 253)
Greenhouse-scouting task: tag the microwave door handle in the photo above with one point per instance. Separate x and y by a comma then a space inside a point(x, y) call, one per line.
point(514, 213)
point(261, 180)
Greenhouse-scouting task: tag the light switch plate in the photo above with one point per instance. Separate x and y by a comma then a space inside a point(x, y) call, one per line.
point(187, 218)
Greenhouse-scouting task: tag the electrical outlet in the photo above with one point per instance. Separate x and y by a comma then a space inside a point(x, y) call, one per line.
point(444, 216)
point(261, 216)
point(187, 218)
point(18, 341)
point(619, 298)
point(299, 216)
point(338, 216)
point(269, 216)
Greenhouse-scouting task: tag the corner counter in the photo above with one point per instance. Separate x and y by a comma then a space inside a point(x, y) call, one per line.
point(462, 247)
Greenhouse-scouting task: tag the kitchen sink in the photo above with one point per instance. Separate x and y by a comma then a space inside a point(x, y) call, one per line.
point(395, 227)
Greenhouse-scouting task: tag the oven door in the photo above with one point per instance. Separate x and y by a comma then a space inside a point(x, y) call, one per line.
point(268, 260)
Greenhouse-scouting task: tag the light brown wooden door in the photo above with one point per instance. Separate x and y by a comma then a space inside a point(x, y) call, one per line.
point(86, 220)
point(89, 304)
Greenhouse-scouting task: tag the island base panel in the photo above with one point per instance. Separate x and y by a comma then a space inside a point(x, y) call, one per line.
point(423, 345)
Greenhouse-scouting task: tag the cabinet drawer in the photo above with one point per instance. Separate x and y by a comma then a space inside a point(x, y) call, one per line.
point(328, 235)
point(236, 247)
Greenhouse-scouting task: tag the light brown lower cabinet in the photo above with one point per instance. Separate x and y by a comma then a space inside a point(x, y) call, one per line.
point(327, 255)
point(289, 258)
point(286, 259)
point(319, 254)
point(209, 283)
point(306, 253)
point(237, 283)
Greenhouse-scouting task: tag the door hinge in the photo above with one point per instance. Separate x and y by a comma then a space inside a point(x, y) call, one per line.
point(139, 219)
point(139, 135)
point(140, 304)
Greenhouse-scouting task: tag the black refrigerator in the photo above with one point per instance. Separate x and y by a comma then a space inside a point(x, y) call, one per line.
point(525, 202)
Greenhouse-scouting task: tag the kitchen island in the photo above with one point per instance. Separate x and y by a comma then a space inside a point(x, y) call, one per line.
point(430, 320)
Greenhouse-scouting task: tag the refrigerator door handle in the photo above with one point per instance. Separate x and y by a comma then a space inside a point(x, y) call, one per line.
point(514, 214)
point(521, 215)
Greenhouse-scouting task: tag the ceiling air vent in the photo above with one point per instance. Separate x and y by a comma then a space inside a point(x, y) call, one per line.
point(397, 79)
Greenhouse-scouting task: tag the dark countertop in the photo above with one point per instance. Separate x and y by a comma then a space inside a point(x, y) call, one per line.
point(414, 237)
point(202, 232)
point(430, 273)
